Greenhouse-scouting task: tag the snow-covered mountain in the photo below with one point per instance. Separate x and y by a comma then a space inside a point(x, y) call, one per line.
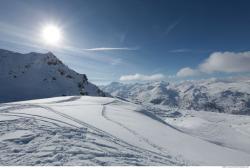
point(85, 130)
point(228, 96)
point(35, 75)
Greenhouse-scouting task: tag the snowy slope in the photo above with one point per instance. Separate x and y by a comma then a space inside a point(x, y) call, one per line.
point(228, 96)
point(231, 131)
point(35, 75)
point(101, 131)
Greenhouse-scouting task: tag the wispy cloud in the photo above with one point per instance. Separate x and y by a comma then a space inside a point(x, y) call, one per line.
point(182, 50)
point(186, 50)
point(100, 57)
point(110, 49)
point(10, 32)
point(141, 77)
point(171, 27)
point(30, 40)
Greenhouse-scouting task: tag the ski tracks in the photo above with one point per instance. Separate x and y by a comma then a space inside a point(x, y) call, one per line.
point(164, 158)
point(140, 137)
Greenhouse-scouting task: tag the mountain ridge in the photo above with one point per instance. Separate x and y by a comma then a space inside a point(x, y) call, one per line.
point(35, 75)
point(226, 95)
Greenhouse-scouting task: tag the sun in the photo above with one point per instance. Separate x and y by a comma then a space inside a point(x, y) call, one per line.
point(51, 34)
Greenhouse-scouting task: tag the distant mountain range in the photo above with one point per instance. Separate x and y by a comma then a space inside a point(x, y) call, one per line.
point(216, 95)
point(35, 75)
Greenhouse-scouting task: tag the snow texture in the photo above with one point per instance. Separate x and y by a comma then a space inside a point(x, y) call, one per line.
point(84, 130)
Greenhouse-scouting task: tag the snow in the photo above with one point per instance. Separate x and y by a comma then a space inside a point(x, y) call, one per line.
point(35, 75)
point(84, 130)
point(21, 135)
point(216, 95)
point(231, 131)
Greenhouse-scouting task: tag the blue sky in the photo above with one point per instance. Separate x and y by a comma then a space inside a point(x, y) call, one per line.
point(135, 40)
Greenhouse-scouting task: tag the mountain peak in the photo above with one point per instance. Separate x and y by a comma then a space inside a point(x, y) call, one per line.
point(206, 95)
point(35, 75)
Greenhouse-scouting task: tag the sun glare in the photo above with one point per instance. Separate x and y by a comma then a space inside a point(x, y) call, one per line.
point(51, 34)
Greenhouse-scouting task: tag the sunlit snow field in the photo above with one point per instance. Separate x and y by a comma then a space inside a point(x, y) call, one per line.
point(106, 131)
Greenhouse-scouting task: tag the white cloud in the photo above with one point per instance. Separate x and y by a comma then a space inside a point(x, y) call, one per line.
point(226, 62)
point(141, 77)
point(187, 72)
point(109, 49)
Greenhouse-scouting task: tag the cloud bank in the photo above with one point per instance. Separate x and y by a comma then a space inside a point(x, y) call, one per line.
point(226, 62)
point(141, 77)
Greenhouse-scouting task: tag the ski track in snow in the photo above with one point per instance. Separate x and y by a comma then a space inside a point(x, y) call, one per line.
point(104, 131)
point(20, 152)
point(104, 114)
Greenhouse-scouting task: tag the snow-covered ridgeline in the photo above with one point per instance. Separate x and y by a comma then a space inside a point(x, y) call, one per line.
point(35, 75)
point(228, 96)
